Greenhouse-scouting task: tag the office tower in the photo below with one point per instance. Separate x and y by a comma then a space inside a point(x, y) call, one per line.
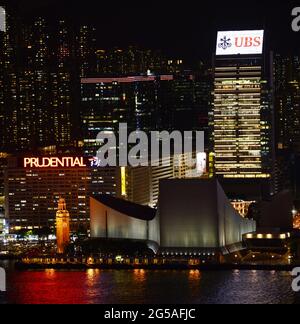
point(148, 103)
point(106, 102)
point(204, 102)
point(40, 65)
point(185, 102)
point(32, 191)
point(243, 107)
point(287, 118)
point(8, 80)
point(63, 86)
point(86, 51)
point(287, 102)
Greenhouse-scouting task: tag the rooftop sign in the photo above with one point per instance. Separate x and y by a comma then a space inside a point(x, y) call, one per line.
point(241, 42)
point(54, 162)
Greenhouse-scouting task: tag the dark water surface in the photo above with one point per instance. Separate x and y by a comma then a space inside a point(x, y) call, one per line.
point(148, 287)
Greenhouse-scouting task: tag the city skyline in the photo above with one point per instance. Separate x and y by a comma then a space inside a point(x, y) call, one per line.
point(212, 92)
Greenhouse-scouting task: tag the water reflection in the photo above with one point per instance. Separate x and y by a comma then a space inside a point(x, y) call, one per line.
point(149, 287)
point(92, 276)
point(139, 275)
point(50, 274)
point(194, 275)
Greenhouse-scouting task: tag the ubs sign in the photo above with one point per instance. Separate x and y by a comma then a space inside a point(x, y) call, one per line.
point(241, 42)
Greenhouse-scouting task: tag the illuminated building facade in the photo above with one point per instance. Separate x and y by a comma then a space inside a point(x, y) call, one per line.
point(190, 219)
point(106, 102)
point(38, 87)
point(8, 82)
point(287, 102)
point(33, 186)
point(296, 221)
point(114, 218)
point(287, 119)
point(41, 64)
point(148, 103)
point(86, 51)
point(243, 108)
point(242, 207)
point(32, 194)
point(62, 226)
point(141, 184)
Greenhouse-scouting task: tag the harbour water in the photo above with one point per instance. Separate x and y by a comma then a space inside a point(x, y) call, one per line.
point(148, 287)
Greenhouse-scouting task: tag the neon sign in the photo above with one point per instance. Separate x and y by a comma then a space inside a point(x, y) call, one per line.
point(54, 162)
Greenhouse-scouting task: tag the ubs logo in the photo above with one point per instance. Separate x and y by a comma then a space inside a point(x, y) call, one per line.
point(225, 43)
point(240, 42)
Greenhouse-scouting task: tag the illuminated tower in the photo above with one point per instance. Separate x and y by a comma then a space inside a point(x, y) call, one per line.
point(243, 107)
point(62, 226)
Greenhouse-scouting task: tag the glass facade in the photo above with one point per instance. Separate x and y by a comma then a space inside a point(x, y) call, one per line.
point(242, 119)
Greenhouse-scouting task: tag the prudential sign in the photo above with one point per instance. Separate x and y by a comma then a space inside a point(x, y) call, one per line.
point(241, 42)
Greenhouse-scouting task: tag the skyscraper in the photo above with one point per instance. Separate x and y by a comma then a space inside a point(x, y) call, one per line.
point(147, 103)
point(86, 51)
point(287, 102)
point(243, 107)
point(40, 65)
point(8, 82)
point(287, 118)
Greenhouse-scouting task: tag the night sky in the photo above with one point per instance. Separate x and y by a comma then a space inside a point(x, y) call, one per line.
point(186, 28)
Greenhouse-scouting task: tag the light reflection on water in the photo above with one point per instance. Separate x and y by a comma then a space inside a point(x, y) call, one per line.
point(149, 287)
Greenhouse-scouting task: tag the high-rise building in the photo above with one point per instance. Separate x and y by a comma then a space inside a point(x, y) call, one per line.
point(86, 51)
point(40, 65)
point(287, 118)
point(33, 189)
point(148, 103)
point(287, 102)
point(34, 186)
point(8, 82)
point(243, 107)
